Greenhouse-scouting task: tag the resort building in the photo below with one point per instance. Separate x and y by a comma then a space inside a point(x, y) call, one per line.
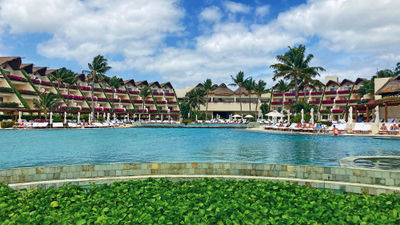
point(332, 98)
point(21, 83)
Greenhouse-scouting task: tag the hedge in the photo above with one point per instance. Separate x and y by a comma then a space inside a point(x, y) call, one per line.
point(203, 201)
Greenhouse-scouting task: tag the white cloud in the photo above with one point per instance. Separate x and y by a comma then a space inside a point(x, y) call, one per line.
point(235, 7)
point(82, 29)
point(211, 14)
point(262, 11)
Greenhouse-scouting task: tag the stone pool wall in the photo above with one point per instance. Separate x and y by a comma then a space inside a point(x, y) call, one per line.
point(346, 179)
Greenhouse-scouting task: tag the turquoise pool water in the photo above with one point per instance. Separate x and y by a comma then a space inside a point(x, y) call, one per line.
point(21, 148)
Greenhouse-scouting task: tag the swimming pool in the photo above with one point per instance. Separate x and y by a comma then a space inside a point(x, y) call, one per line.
point(21, 148)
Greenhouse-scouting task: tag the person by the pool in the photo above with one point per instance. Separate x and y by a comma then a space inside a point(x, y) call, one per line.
point(335, 130)
point(383, 127)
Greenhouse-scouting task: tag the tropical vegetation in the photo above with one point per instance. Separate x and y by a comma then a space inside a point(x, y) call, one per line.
point(238, 81)
point(145, 93)
point(47, 102)
point(208, 87)
point(294, 67)
point(202, 201)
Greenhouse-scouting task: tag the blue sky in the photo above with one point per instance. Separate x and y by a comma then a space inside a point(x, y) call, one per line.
point(187, 41)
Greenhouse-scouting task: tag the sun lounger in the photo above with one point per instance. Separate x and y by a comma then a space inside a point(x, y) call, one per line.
point(72, 125)
point(58, 125)
point(362, 128)
point(40, 124)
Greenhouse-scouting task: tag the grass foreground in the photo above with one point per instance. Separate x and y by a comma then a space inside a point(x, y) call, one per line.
point(204, 201)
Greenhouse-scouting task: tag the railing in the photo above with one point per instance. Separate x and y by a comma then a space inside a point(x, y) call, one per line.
point(121, 91)
point(6, 90)
point(341, 101)
point(125, 100)
point(16, 78)
point(337, 110)
point(172, 102)
point(290, 94)
point(157, 93)
point(317, 92)
point(169, 94)
point(174, 111)
point(148, 102)
point(344, 91)
point(27, 92)
point(46, 83)
point(328, 101)
point(330, 92)
point(276, 103)
point(138, 101)
point(278, 94)
point(316, 101)
point(288, 102)
point(162, 102)
point(133, 92)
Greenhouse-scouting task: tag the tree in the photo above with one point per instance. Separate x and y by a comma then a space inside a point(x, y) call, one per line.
point(208, 87)
point(282, 86)
point(144, 94)
point(238, 81)
point(249, 84)
point(97, 70)
point(195, 98)
point(264, 108)
point(70, 80)
point(47, 102)
point(293, 66)
point(309, 82)
point(115, 83)
point(368, 87)
point(260, 88)
point(298, 106)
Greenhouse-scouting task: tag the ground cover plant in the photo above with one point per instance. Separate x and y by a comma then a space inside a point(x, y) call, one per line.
point(206, 201)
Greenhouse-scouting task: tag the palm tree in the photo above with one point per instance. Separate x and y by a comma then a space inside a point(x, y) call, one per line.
point(294, 66)
point(282, 86)
point(238, 81)
point(70, 80)
point(260, 89)
point(115, 83)
point(309, 82)
point(47, 102)
point(196, 97)
point(144, 94)
point(249, 84)
point(97, 70)
point(60, 76)
point(208, 87)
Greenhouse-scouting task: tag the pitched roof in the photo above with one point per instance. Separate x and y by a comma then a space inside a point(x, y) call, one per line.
point(155, 83)
point(391, 86)
point(223, 90)
point(40, 70)
point(143, 82)
point(243, 91)
point(81, 76)
point(131, 81)
point(346, 81)
point(27, 67)
point(332, 82)
point(360, 80)
point(166, 84)
point(13, 62)
point(50, 72)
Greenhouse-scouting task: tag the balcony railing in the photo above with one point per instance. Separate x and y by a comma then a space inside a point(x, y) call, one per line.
point(169, 94)
point(276, 103)
point(16, 78)
point(108, 90)
point(121, 91)
point(125, 100)
point(288, 102)
point(328, 101)
point(172, 103)
point(174, 111)
point(341, 101)
point(157, 93)
point(46, 83)
point(6, 90)
point(119, 110)
point(278, 94)
point(315, 101)
point(161, 102)
point(85, 88)
point(344, 91)
point(330, 92)
point(27, 92)
point(114, 100)
point(290, 94)
point(133, 92)
point(316, 92)
point(148, 101)
point(138, 101)
point(337, 110)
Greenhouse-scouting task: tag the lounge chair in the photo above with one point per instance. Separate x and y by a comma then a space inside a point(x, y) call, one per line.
point(362, 128)
point(40, 124)
point(58, 125)
point(72, 125)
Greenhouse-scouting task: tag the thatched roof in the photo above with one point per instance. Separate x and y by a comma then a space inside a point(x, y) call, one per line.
point(243, 91)
point(331, 82)
point(13, 62)
point(27, 67)
point(360, 80)
point(155, 84)
point(166, 84)
point(392, 86)
point(131, 81)
point(223, 90)
point(142, 83)
point(346, 81)
point(40, 70)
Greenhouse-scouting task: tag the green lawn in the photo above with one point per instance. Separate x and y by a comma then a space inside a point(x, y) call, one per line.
point(207, 201)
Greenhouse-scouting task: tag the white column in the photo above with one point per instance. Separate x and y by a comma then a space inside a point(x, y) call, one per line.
point(108, 117)
point(65, 117)
point(115, 117)
point(19, 117)
point(79, 117)
point(51, 118)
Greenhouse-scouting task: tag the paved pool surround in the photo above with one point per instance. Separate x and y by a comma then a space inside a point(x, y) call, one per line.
point(346, 179)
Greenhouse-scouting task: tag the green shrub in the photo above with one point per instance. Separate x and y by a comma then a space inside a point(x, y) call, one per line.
point(9, 105)
point(328, 123)
point(203, 201)
point(7, 124)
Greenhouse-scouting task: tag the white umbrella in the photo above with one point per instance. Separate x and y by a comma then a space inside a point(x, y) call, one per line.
point(19, 117)
point(249, 116)
point(274, 114)
point(65, 117)
point(302, 115)
point(51, 118)
point(288, 116)
point(312, 115)
point(79, 117)
point(350, 116)
point(108, 117)
point(236, 116)
point(377, 120)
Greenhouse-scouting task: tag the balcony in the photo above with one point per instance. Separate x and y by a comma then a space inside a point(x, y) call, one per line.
point(330, 92)
point(114, 100)
point(344, 91)
point(276, 103)
point(6, 90)
point(354, 100)
point(174, 111)
point(171, 102)
point(328, 101)
point(290, 94)
point(157, 93)
point(108, 90)
point(152, 110)
point(125, 101)
point(315, 101)
point(138, 101)
point(148, 101)
point(278, 94)
point(133, 92)
point(119, 110)
point(288, 102)
point(121, 91)
point(98, 89)
point(16, 78)
point(337, 110)
point(9, 105)
point(35, 81)
point(102, 99)
point(341, 101)
point(316, 93)
point(46, 83)
point(161, 102)
point(169, 94)
point(27, 92)
point(85, 88)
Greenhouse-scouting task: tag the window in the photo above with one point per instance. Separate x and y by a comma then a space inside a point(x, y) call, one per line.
point(166, 91)
point(129, 89)
point(347, 88)
point(154, 90)
point(334, 89)
point(1, 99)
